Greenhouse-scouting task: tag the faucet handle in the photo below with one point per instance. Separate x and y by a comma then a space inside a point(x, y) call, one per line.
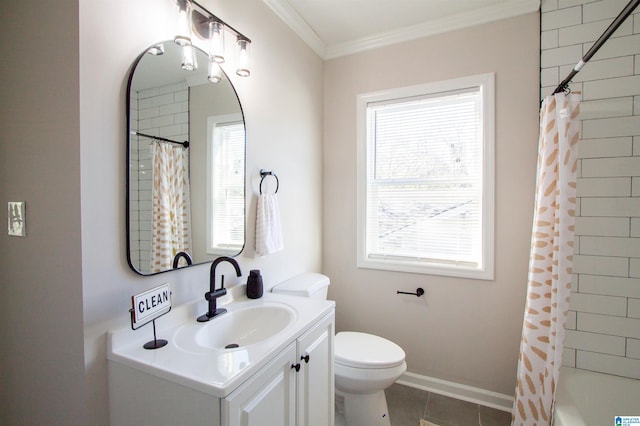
point(213, 295)
point(222, 281)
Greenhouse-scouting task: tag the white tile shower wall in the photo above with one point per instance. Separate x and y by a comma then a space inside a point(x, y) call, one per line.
point(161, 111)
point(604, 323)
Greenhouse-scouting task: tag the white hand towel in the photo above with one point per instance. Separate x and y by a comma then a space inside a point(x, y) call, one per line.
point(268, 228)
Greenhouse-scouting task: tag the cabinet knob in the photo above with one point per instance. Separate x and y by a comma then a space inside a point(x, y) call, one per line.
point(305, 357)
point(296, 366)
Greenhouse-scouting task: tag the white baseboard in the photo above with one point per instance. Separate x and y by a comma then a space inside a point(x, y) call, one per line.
point(456, 390)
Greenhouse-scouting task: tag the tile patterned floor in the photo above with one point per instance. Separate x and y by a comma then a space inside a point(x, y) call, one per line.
point(408, 405)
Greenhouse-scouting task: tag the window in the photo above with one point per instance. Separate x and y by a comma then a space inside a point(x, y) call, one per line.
point(425, 171)
point(225, 185)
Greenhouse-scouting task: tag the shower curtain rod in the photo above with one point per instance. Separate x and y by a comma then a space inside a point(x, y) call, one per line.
point(158, 138)
point(628, 10)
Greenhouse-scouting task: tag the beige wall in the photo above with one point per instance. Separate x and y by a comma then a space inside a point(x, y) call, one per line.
point(41, 352)
point(465, 331)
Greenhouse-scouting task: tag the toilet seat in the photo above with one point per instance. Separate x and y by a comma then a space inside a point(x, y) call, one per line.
point(366, 351)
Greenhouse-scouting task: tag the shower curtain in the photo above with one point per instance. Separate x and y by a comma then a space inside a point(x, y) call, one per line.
point(171, 215)
point(550, 262)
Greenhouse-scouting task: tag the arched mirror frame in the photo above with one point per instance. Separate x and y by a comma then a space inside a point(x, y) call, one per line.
point(135, 261)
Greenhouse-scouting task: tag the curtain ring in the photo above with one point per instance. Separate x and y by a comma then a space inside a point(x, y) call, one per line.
point(264, 174)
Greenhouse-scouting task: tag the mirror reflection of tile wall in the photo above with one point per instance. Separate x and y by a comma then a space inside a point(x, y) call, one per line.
point(161, 111)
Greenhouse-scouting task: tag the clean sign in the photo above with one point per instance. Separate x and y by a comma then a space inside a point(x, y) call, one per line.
point(151, 304)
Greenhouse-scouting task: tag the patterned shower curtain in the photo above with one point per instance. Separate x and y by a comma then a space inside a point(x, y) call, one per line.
point(171, 215)
point(550, 262)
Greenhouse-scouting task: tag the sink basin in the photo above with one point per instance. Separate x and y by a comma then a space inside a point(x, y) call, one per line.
point(238, 328)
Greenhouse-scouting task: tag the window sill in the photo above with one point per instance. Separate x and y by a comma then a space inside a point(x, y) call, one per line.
point(414, 267)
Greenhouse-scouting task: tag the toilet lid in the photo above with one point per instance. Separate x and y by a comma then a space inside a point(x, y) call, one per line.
point(305, 284)
point(362, 350)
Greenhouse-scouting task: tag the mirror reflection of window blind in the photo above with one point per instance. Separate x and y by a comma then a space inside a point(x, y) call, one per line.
point(228, 187)
point(424, 179)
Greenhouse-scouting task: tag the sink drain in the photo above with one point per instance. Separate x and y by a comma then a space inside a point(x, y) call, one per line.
point(232, 346)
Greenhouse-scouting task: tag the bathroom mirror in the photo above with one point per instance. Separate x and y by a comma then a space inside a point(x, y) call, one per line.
point(182, 198)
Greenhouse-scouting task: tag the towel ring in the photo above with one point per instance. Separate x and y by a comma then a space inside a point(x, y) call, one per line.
point(264, 174)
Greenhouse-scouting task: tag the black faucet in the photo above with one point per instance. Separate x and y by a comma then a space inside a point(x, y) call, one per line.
point(213, 294)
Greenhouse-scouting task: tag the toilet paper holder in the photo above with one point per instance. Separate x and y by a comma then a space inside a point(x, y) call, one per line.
point(419, 292)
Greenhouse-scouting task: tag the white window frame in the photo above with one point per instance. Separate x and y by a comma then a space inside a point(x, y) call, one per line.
point(485, 270)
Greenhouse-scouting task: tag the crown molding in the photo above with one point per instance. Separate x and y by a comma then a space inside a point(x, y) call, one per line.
point(288, 14)
point(506, 10)
point(472, 18)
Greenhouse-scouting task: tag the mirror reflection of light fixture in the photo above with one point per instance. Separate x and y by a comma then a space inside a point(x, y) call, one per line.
point(156, 50)
point(214, 72)
point(242, 57)
point(189, 62)
point(183, 24)
point(216, 41)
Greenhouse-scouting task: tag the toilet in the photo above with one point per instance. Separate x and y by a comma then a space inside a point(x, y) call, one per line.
point(365, 364)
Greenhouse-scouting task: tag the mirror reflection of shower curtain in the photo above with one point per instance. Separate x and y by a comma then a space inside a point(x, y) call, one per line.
point(171, 213)
point(550, 262)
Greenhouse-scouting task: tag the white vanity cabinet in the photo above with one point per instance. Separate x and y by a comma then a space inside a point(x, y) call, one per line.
point(296, 388)
point(284, 380)
point(268, 398)
point(315, 380)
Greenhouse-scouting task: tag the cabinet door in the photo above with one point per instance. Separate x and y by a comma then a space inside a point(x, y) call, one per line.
point(268, 399)
point(315, 379)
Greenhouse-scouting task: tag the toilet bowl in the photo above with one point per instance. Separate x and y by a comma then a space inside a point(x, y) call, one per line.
point(365, 364)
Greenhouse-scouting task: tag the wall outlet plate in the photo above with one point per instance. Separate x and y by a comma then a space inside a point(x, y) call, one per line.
point(16, 219)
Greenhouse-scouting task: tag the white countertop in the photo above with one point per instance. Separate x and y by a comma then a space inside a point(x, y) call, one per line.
point(214, 371)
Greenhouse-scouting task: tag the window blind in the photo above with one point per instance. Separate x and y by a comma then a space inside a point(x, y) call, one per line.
point(424, 178)
point(228, 188)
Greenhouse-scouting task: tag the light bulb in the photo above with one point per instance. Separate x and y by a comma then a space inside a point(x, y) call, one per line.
point(242, 58)
point(189, 62)
point(183, 24)
point(216, 41)
point(214, 73)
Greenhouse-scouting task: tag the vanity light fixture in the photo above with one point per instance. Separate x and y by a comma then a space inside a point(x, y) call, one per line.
point(214, 73)
point(216, 41)
point(210, 29)
point(183, 23)
point(242, 57)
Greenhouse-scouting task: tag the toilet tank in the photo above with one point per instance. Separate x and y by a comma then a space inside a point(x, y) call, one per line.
point(308, 284)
